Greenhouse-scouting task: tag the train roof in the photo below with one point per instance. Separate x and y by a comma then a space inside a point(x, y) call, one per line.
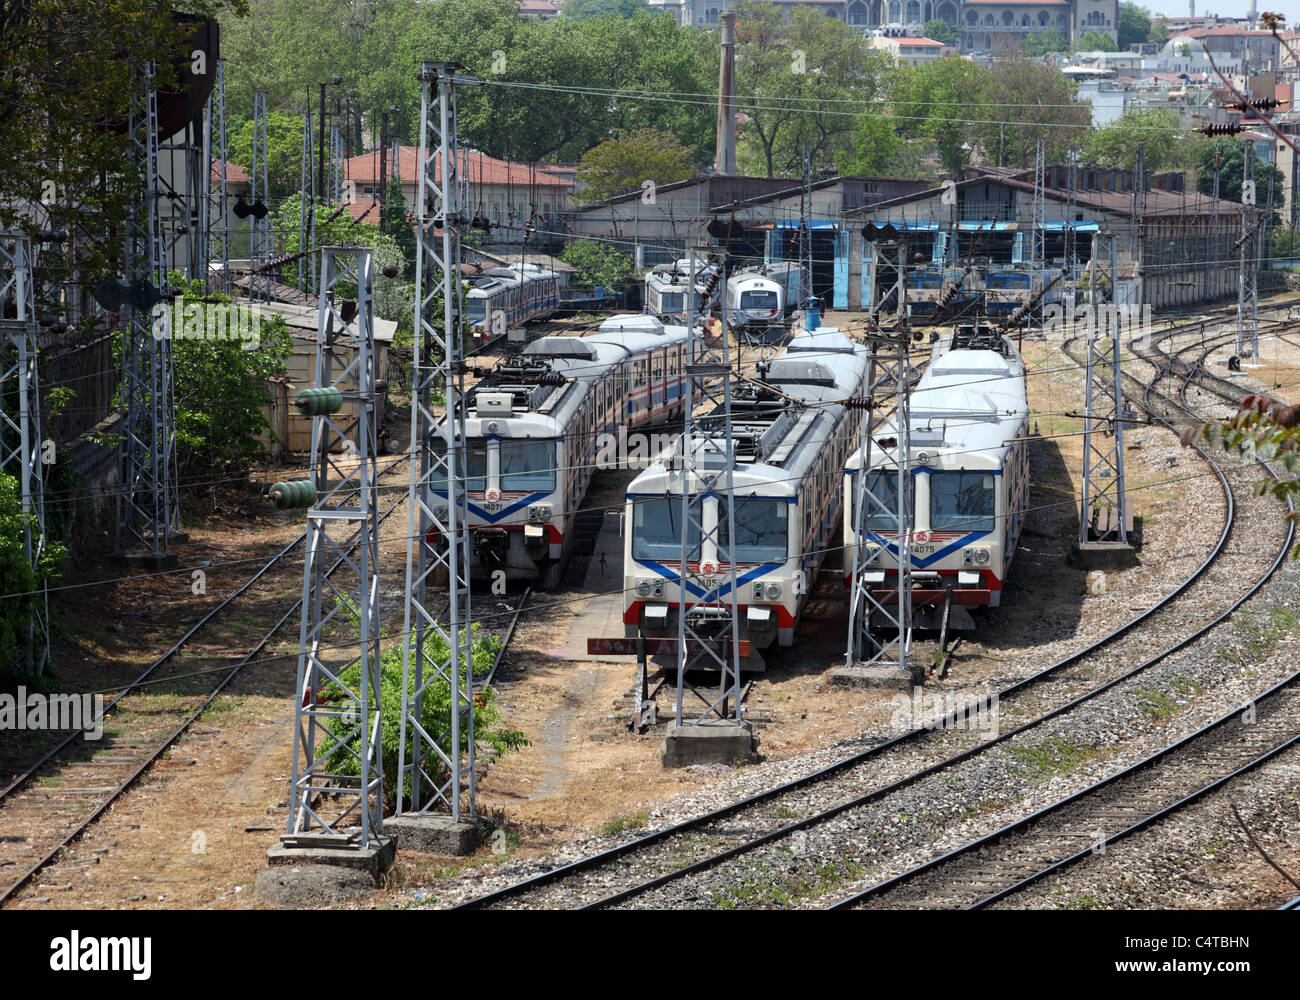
point(968, 404)
point(777, 437)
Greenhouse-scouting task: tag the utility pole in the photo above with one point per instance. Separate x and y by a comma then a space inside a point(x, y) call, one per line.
point(148, 506)
point(708, 630)
point(307, 219)
point(882, 507)
point(1247, 277)
point(436, 644)
point(1138, 226)
point(22, 446)
point(1103, 517)
point(337, 787)
point(260, 280)
point(216, 234)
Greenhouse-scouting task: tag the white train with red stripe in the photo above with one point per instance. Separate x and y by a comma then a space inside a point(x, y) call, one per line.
point(790, 438)
point(966, 477)
point(534, 427)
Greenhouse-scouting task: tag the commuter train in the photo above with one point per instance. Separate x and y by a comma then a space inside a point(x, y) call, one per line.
point(966, 479)
point(761, 296)
point(534, 427)
point(790, 437)
point(503, 297)
point(666, 289)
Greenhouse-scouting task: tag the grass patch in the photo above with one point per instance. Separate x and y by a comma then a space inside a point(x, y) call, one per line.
point(1157, 705)
point(1050, 757)
point(620, 823)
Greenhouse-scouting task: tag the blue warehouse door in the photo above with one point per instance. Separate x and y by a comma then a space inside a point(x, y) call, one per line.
point(775, 238)
point(841, 297)
point(868, 276)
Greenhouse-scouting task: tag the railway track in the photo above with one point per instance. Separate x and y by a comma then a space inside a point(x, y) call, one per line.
point(52, 801)
point(997, 866)
point(646, 871)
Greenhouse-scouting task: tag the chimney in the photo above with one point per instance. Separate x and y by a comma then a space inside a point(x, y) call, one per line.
point(724, 161)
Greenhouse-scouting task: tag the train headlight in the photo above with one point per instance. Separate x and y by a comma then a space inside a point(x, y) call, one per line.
point(650, 587)
point(975, 555)
point(773, 591)
point(539, 512)
point(872, 554)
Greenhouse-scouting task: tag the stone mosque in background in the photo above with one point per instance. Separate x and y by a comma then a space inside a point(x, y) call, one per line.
point(986, 26)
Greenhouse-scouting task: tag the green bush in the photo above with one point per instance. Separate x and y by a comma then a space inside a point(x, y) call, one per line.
point(435, 713)
point(221, 387)
point(19, 579)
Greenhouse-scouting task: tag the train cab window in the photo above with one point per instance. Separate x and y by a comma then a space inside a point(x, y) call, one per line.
point(657, 530)
point(761, 532)
point(528, 465)
point(476, 466)
point(962, 501)
point(758, 301)
point(475, 309)
point(883, 486)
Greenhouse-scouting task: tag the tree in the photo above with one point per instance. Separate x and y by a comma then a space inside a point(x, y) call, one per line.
point(221, 384)
point(877, 150)
point(397, 226)
point(1286, 242)
point(1267, 429)
point(1156, 131)
point(934, 100)
point(1095, 41)
point(579, 9)
point(1027, 101)
point(795, 80)
point(629, 160)
point(66, 73)
point(1134, 25)
point(283, 153)
point(595, 264)
point(939, 31)
point(1043, 42)
point(1230, 156)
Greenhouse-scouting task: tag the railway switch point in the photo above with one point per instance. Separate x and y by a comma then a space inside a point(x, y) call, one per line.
point(339, 850)
point(859, 676)
point(432, 834)
point(713, 741)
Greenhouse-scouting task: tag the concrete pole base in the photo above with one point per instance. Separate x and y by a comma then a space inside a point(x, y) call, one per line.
point(713, 742)
point(433, 834)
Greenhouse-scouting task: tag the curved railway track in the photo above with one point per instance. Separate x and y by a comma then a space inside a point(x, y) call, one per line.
point(995, 867)
point(634, 870)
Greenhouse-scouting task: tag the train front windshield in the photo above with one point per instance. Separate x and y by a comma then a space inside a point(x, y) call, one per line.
point(528, 466)
point(758, 301)
point(882, 499)
point(671, 301)
point(962, 501)
point(657, 530)
point(475, 308)
point(761, 530)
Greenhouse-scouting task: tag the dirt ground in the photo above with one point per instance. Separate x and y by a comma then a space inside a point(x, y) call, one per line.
point(195, 831)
